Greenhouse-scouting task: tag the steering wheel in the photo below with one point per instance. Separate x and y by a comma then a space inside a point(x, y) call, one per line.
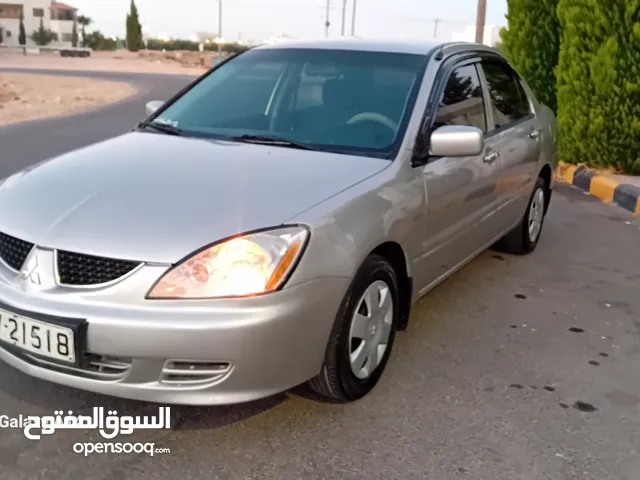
point(373, 117)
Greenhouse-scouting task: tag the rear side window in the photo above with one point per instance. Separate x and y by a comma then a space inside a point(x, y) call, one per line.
point(508, 99)
point(462, 102)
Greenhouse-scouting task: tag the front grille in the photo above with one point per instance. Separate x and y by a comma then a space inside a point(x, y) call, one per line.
point(81, 269)
point(14, 251)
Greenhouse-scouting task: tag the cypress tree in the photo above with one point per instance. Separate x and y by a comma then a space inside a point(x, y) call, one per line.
point(531, 42)
point(134, 29)
point(22, 35)
point(599, 83)
point(74, 34)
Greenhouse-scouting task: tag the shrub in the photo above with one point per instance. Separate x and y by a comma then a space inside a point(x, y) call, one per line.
point(96, 41)
point(170, 45)
point(43, 36)
point(599, 83)
point(532, 43)
point(177, 44)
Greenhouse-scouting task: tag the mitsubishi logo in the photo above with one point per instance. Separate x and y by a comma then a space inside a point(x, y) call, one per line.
point(38, 271)
point(30, 271)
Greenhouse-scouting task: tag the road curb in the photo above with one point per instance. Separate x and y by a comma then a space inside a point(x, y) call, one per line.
point(605, 188)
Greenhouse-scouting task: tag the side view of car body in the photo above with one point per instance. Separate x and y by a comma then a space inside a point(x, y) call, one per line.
point(273, 223)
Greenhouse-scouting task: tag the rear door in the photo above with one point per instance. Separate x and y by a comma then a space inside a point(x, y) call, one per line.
point(514, 133)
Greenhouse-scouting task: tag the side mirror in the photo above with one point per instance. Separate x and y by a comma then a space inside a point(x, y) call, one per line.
point(456, 141)
point(153, 106)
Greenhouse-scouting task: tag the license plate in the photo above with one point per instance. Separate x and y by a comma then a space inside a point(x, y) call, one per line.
point(41, 338)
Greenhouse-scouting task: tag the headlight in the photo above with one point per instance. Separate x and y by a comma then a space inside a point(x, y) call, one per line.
point(242, 266)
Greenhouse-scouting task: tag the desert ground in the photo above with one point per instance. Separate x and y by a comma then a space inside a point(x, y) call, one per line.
point(27, 96)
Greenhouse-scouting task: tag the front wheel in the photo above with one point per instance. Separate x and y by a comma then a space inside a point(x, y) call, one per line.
point(524, 237)
point(362, 336)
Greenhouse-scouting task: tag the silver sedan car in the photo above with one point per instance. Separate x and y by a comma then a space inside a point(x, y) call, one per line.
point(272, 224)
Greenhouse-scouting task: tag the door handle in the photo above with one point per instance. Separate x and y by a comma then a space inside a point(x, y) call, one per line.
point(535, 134)
point(491, 157)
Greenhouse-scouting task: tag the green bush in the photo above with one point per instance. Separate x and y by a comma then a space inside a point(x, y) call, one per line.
point(43, 36)
point(96, 41)
point(599, 83)
point(170, 45)
point(532, 42)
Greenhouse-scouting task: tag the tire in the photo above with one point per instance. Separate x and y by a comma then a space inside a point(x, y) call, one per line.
point(338, 382)
point(520, 241)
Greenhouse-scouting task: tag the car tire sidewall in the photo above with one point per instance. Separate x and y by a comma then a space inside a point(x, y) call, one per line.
point(528, 244)
point(374, 269)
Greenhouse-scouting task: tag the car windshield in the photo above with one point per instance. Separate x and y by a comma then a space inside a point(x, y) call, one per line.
point(334, 100)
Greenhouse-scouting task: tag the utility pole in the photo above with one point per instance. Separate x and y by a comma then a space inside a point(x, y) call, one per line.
point(480, 20)
point(353, 18)
point(435, 27)
point(344, 15)
point(219, 30)
point(326, 21)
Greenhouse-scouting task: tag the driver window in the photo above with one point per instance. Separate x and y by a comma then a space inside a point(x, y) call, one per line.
point(462, 102)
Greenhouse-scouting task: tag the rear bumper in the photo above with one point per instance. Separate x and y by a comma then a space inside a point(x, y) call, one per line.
point(253, 347)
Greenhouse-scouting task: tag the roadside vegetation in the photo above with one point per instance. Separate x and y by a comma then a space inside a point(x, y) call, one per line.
point(582, 58)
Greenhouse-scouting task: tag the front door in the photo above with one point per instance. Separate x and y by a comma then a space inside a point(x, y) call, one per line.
point(459, 191)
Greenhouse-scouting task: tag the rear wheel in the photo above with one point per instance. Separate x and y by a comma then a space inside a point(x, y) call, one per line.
point(362, 336)
point(523, 239)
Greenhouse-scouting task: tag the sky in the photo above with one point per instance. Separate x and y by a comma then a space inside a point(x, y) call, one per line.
point(259, 19)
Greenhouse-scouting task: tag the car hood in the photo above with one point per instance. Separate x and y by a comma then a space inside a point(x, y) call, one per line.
point(157, 198)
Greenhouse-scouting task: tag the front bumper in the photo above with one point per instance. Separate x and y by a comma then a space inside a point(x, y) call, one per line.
point(179, 352)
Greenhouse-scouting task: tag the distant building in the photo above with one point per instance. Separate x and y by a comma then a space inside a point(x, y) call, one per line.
point(56, 16)
point(491, 35)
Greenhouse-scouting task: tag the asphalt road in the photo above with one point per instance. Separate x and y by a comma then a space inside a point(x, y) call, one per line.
point(514, 368)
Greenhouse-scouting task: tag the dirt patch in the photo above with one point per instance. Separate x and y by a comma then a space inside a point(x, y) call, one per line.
point(31, 96)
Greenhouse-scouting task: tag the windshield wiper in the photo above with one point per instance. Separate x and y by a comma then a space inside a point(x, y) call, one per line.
point(269, 140)
point(163, 127)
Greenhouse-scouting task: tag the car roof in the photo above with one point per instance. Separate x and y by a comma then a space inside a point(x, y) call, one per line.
point(419, 47)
